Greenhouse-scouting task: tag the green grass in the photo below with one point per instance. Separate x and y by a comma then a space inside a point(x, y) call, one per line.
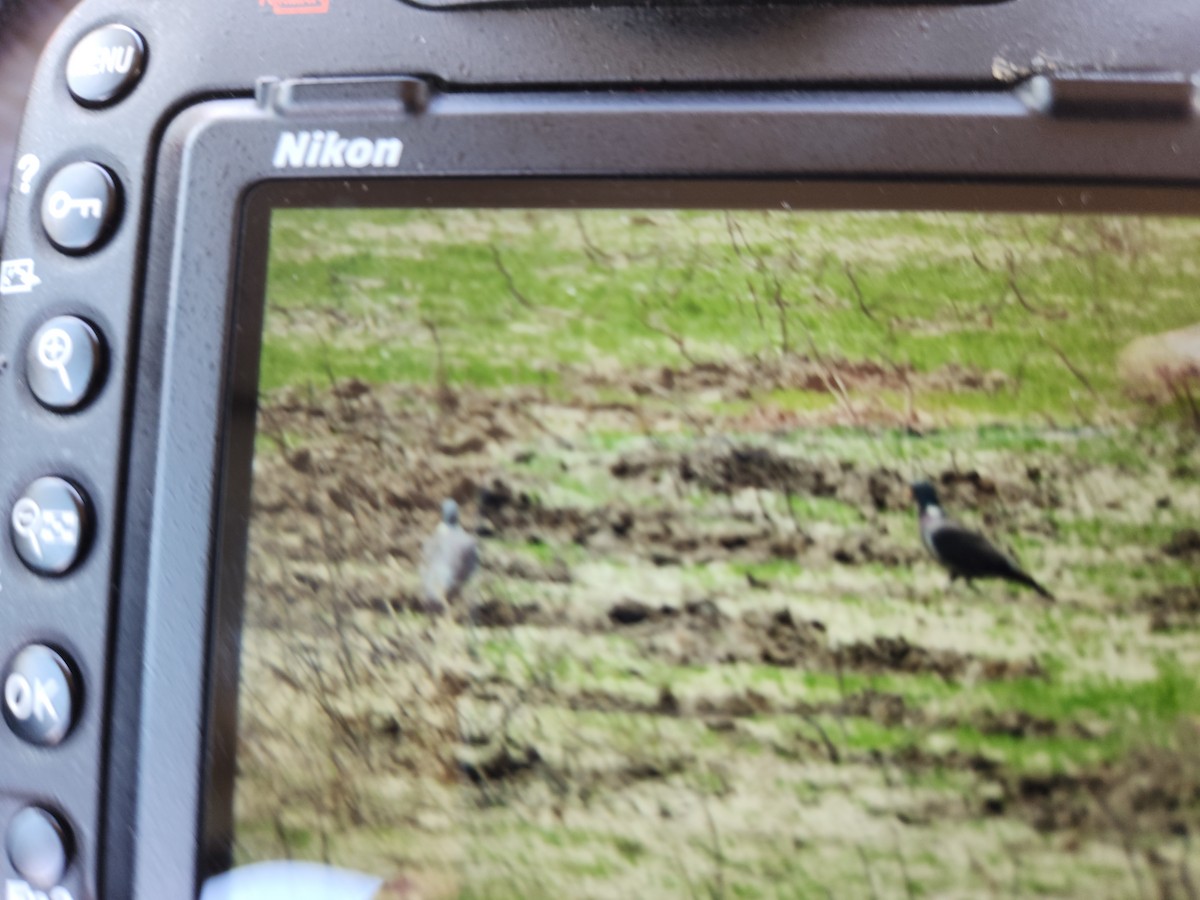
point(784, 569)
point(1123, 712)
point(1126, 581)
point(1149, 705)
point(1130, 713)
point(631, 849)
point(783, 398)
point(1097, 532)
point(1118, 713)
point(388, 276)
point(302, 362)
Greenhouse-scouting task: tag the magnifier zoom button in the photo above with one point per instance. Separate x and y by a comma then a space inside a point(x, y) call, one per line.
point(64, 363)
point(49, 525)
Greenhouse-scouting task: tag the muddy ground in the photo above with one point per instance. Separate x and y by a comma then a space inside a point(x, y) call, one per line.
point(705, 654)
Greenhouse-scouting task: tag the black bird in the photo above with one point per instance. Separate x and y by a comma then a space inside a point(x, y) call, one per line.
point(962, 552)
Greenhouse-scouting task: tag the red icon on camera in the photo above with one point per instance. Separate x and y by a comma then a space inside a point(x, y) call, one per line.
point(296, 7)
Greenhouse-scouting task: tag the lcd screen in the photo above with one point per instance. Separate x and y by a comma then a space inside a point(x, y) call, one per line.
point(725, 554)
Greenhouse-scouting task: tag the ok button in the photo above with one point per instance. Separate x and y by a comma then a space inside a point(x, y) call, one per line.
point(80, 207)
point(39, 696)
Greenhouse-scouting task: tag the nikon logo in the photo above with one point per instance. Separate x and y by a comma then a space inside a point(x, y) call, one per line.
point(328, 149)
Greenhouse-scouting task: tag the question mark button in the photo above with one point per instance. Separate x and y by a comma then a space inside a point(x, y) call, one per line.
point(28, 165)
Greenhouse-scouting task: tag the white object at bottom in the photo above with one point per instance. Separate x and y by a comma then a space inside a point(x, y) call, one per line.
point(290, 880)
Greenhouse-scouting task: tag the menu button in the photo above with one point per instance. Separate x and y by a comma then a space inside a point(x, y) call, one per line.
point(106, 65)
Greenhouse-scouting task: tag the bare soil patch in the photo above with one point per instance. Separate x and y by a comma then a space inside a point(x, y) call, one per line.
point(658, 710)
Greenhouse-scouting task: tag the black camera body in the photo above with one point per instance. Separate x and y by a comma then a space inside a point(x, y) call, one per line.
point(160, 135)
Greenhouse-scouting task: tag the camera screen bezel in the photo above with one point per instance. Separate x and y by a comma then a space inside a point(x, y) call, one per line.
point(1091, 101)
point(187, 491)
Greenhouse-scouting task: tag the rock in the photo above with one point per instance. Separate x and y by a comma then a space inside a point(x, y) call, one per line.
point(352, 389)
point(629, 612)
point(460, 445)
point(1153, 367)
point(301, 461)
point(1184, 544)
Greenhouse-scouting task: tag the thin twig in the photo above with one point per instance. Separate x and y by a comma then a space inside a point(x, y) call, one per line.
point(1019, 294)
point(862, 303)
point(1124, 832)
point(676, 339)
point(1062, 356)
point(862, 855)
point(508, 279)
point(594, 253)
point(781, 308)
point(1185, 872)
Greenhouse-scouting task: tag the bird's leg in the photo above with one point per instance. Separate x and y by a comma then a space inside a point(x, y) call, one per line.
point(436, 635)
point(472, 617)
point(424, 648)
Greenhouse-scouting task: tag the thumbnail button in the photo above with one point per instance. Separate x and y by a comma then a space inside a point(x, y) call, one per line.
point(37, 847)
point(49, 526)
point(62, 362)
point(39, 696)
point(105, 65)
point(80, 207)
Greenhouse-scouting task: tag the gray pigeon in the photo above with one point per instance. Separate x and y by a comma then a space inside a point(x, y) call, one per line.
point(448, 560)
point(962, 552)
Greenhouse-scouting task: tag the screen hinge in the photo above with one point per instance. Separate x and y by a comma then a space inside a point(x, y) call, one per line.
point(401, 94)
point(1112, 95)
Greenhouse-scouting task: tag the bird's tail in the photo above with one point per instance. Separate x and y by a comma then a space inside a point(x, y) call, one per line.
point(1026, 580)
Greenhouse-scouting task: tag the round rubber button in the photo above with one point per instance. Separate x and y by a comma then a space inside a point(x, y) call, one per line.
point(39, 696)
point(80, 207)
point(63, 363)
point(37, 847)
point(105, 65)
point(49, 525)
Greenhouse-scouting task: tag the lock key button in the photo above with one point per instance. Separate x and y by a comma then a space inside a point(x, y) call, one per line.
point(80, 207)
